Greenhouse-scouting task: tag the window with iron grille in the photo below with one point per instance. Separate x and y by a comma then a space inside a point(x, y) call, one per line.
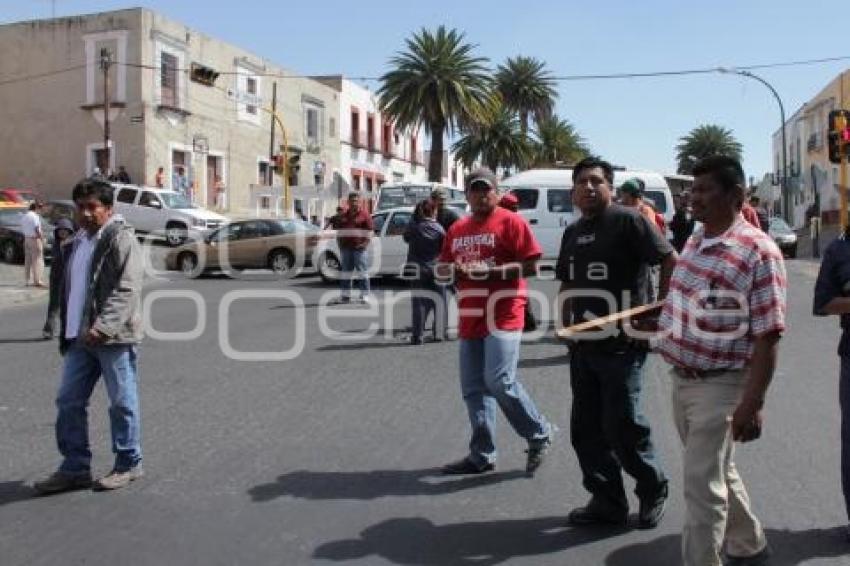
point(169, 93)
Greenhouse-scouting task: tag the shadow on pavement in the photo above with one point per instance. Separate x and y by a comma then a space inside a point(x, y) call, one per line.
point(790, 548)
point(372, 484)
point(14, 491)
point(418, 541)
point(560, 360)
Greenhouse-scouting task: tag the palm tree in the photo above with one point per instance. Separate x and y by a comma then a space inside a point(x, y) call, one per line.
point(557, 141)
point(705, 141)
point(527, 88)
point(437, 82)
point(497, 142)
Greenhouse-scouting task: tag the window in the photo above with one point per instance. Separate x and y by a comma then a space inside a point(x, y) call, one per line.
point(251, 88)
point(312, 125)
point(169, 93)
point(355, 127)
point(254, 229)
point(355, 182)
point(413, 150)
point(398, 223)
point(332, 127)
point(527, 198)
point(263, 173)
point(559, 200)
point(369, 184)
point(370, 132)
point(127, 196)
point(386, 137)
point(378, 222)
point(150, 200)
point(229, 233)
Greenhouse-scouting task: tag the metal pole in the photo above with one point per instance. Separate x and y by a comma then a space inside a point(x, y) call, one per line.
point(786, 196)
point(271, 141)
point(104, 64)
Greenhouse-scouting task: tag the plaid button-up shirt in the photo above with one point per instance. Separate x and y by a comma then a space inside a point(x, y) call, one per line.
point(723, 295)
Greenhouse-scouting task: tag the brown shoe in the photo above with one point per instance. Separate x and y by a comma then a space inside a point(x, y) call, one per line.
point(60, 481)
point(117, 480)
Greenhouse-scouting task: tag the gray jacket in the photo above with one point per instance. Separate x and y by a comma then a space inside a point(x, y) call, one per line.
point(113, 297)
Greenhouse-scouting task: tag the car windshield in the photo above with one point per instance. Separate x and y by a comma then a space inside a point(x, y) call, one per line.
point(779, 225)
point(11, 217)
point(393, 197)
point(175, 200)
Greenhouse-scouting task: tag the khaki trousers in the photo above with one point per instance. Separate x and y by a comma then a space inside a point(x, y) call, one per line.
point(716, 502)
point(34, 261)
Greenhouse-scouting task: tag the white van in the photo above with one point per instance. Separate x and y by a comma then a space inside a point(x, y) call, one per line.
point(409, 194)
point(545, 199)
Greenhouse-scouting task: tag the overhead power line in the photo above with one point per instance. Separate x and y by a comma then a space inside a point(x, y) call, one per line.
point(559, 78)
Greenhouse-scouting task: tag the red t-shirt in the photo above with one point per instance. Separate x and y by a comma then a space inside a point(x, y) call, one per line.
point(503, 237)
point(357, 229)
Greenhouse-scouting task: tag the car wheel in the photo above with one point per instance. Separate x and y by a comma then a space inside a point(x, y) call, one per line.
point(188, 264)
point(9, 251)
point(281, 262)
point(328, 267)
point(176, 234)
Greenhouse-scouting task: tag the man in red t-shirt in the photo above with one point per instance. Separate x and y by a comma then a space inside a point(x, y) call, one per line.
point(355, 230)
point(488, 254)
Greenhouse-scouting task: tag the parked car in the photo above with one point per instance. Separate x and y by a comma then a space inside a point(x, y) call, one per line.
point(783, 235)
point(23, 197)
point(409, 194)
point(12, 236)
point(277, 244)
point(53, 210)
point(545, 199)
point(164, 213)
point(388, 250)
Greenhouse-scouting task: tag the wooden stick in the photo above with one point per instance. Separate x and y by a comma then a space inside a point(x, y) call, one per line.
point(597, 323)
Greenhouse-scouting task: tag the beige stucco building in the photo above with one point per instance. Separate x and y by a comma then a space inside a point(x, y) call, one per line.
point(162, 114)
point(809, 170)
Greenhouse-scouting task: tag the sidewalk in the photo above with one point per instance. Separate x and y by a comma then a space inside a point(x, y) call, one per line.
point(804, 241)
point(12, 290)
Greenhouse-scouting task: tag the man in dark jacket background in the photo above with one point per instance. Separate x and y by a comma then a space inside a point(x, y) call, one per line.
point(61, 234)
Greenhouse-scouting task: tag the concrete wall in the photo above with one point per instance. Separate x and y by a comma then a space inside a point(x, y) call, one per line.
point(51, 123)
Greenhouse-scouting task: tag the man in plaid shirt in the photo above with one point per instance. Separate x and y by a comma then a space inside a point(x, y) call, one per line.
point(721, 323)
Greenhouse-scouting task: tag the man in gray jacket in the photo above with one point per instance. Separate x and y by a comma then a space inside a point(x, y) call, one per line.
point(101, 327)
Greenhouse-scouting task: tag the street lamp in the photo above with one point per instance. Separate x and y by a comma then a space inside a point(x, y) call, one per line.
point(786, 200)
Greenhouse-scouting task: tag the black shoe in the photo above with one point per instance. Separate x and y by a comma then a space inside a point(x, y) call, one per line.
point(760, 559)
point(466, 466)
point(536, 455)
point(652, 510)
point(598, 512)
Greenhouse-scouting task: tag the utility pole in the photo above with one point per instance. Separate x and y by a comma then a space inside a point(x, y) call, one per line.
point(271, 142)
point(105, 63)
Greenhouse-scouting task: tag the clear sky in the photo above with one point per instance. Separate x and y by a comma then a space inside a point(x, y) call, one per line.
point(633, 122)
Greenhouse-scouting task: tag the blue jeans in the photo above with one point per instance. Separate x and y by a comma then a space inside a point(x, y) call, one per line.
point(607, 428)
point(82, 368)
point(428, 297)
point(487, 379)
point(351, 261)
point(844, 402)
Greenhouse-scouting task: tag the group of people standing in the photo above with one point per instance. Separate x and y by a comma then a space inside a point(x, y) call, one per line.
point(730, 275)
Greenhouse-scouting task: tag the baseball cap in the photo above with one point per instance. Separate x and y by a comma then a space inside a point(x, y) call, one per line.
point(633, 186)
point(508, 200)
point(482, 175)
point(439, 193)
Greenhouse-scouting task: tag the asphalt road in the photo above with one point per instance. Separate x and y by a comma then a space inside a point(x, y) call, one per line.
point(331, 456)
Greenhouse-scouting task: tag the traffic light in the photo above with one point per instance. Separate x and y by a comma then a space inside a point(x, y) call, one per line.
point(203, 75)
point(839, 134)
point(277, 163)
point(294, 164)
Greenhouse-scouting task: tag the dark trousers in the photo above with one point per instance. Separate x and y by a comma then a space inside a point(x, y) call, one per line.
point(844, 401)
point(428, 297)
point(608, 430)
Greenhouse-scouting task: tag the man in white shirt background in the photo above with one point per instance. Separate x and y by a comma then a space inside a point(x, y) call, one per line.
point(33, 246)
